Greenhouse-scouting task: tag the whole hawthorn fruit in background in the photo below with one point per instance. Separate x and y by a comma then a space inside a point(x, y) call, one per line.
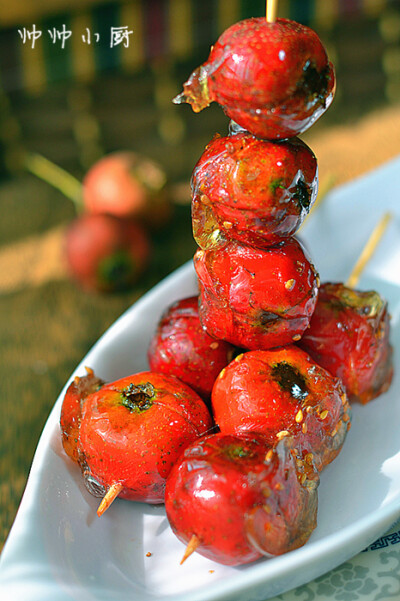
point(106, 253)
point(126, 184)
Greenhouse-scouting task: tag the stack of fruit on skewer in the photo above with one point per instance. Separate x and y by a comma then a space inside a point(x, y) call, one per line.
point(282, 414)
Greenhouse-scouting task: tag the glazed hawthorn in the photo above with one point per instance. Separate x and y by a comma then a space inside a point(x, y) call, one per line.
point(273, 79)
point(283, 392)
point(252, 190)
point(182, 348)
point(133, 430)
point(106, 253)
point(256, 298)
point(349, 336)
point(241, 498)
point(70, 418)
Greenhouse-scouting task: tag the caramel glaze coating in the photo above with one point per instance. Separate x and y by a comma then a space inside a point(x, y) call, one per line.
point(241, 498)
point(349, 336)
point(256, 298)
point(273, 79)
point(283, 392)
point(252, 190)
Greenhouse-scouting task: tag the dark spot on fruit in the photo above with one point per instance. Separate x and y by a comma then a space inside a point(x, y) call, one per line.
point(290, 379)
point(314, 83)
point(302, 194)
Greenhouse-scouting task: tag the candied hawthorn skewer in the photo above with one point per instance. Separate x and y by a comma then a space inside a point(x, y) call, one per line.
point(133, 430)
point(256, 298)
point(251, 190)
point(272, 78)
point(266, 496)
point(349, 332)
point(181, 347)
point(283, 392)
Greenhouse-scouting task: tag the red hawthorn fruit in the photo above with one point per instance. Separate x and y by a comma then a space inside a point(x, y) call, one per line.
point(283, 392)
point(70, 417)
point(106, 253)
point(125, 184)
point(252, 190)
point(349, 336)
point(241, 498)
point(133, 430)
point(182, 348)
point(273, 79)
point(255, 298)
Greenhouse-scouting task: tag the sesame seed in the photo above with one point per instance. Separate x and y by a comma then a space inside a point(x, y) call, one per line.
point(268, 456)
point(323, 414)
point(282, 434)
point(304, 428)
point(239, 357)
point(303, 478)
point(214, 345)
point(289, 284)
point(222, 373)
point(267, 508)
point(296, 337)
point(227, 225)
point(299, 416)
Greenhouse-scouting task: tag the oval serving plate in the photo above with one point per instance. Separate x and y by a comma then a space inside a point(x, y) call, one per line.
point(58, 550)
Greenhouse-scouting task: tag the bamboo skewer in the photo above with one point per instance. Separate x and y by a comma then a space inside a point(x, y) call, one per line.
point(271, 10)
point(368, 250)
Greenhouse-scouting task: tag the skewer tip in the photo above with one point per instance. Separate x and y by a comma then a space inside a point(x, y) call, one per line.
point(191, 548)
point(109, 497)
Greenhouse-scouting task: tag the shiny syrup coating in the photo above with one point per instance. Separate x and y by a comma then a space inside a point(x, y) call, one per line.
point(133, 430)
point(71, 410)
point(252, 190)
point(273, 79)
point(349, 336)
point(241, 498)
point(255, 298)
point(182, 348)
point(283, 392)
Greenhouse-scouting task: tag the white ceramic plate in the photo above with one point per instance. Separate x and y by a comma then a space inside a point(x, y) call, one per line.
point(58, 550)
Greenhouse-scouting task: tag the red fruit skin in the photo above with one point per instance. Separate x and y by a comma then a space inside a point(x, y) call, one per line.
point(283, 392)
point(273, 79)
point(182, 348)
point(105, 253)
point(124, 184)
point(255, 298)
point(349, 336)
point(133, 430)
point(252, 190)
point(71, 406)
point(241, 498)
